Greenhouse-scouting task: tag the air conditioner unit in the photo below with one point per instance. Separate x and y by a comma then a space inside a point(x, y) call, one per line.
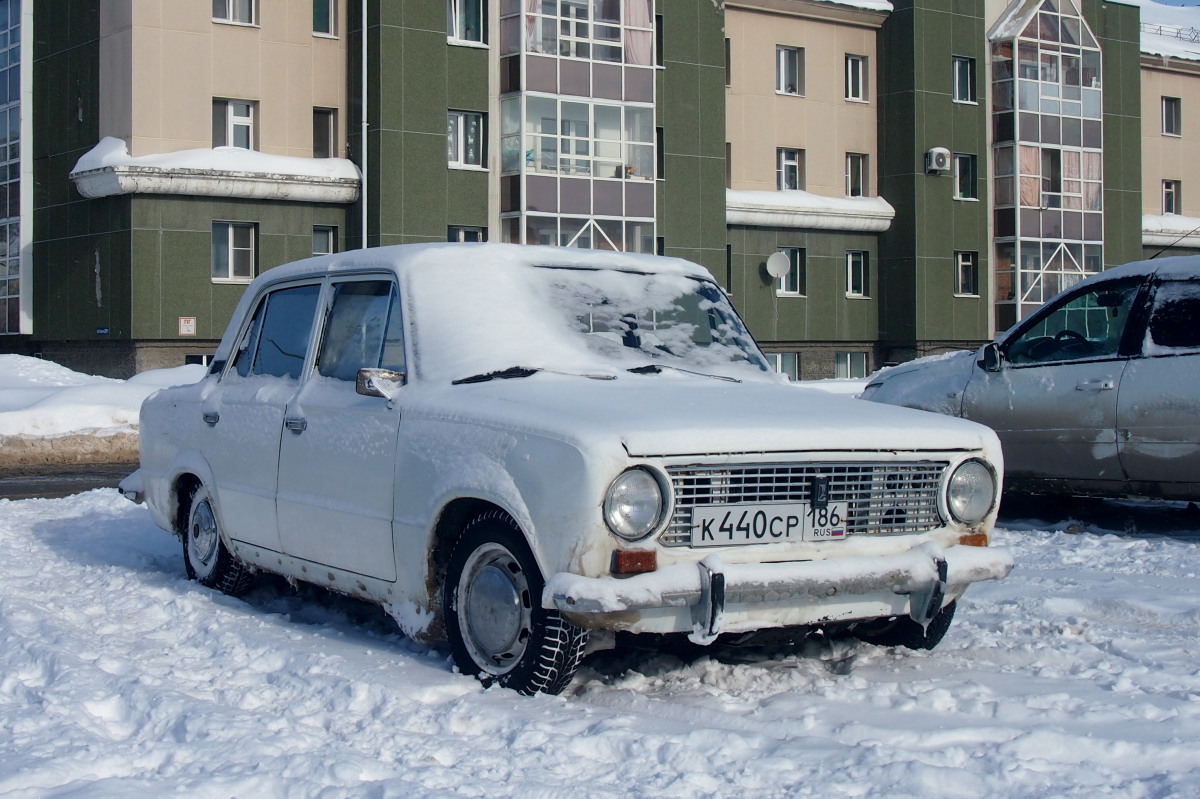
point(937, 161)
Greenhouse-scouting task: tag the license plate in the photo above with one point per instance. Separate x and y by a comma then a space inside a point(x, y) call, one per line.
point(736, 525)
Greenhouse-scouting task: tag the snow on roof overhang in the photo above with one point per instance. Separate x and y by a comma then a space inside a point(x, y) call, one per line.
point(108, 169)
point(1170, 230)
point(800, 209)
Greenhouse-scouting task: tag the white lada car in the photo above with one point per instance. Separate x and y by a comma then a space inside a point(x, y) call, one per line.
point(514, 449)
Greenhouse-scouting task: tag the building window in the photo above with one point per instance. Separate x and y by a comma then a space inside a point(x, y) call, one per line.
point(964, 80)
point(325, 17)
point(728, 64)
point(789, 169)
point(786, 363)
point(324, 240)
point(789, 70)
point(857, 273)
point(850, 365)
point(244, 12)
point(465, 136)
point(966, 273)
point(324, 133)
point(1172, 197)
point(233, 124)
point(465, 20)
point(965, 184)
point(856, 77)
point(660, 154)
point(856, 175)
point(1172, 121)
point(233, 251)
point(792, 284)
point(466, 233)
point(658, 47)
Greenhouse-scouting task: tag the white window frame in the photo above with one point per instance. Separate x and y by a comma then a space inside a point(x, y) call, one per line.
point(1172, 116)
point(228, 256)
point(793, 283)
point(328, 19)
point(789, 158)
point(850, 365)
point(786, 363)
point(456, 141)
point(455, 29)
point(972, 185)
point(856, 78)
point(858, 180)
point(966, 264)
point(789, 60)
point(235, 12)
point(329, 234)
point(466, 233)
point(858, 274)
point(1172, 196)
point(963, 75)
point(328, 117)
point(233, 122)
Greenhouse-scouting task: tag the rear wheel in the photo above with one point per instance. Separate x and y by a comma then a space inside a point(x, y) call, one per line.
point(205, 556)
point(497, 629)
point(903, 631)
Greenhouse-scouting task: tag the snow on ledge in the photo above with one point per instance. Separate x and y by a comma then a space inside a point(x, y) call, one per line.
point(800, 209)
point(108, 169)
point(1165, 230)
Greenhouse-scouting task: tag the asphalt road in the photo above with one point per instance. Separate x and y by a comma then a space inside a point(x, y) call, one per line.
point(50, 482)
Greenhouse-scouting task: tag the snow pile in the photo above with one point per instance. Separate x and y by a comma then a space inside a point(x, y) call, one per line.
point(1075, 677)
point(110, 152)
point(40, 398)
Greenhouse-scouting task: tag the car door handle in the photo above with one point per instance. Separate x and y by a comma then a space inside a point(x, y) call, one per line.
point(295, 424)
point(211, 417)
point(1106, 384)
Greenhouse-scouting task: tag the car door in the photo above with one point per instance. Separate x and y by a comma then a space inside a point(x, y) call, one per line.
point(1053, 401)
point(1158, 409)
point(337, 456)
point(244, 415)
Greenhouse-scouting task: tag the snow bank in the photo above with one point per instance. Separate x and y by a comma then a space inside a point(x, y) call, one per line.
point(1075, 677)
point(110, 152)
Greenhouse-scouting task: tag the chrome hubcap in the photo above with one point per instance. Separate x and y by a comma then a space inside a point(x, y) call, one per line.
point(202, 536)
point(495, 613)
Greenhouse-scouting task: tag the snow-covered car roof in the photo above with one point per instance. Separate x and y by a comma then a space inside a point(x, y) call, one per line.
point(1180, 267)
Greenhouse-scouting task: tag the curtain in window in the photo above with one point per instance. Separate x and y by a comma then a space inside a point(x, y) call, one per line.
point(639, 44)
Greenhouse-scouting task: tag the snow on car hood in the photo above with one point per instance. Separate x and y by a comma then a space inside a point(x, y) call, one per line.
point(680, 414)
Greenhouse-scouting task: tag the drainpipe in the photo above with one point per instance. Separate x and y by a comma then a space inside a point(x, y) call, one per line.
point(363, 99)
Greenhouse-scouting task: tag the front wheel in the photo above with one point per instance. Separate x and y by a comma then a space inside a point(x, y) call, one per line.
point(497, 628)
point(205, 556)
point(903, 631)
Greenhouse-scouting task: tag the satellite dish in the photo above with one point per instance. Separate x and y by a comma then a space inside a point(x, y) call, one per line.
point(778, 265)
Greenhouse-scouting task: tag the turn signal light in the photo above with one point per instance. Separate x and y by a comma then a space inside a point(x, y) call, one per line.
point(973, 540)
point(634, 561)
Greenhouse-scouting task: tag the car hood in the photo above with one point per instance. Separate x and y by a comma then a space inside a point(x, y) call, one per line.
point(933, 384)
point(681, 414)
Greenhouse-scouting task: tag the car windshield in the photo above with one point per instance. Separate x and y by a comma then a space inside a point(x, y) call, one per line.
point(580, 320)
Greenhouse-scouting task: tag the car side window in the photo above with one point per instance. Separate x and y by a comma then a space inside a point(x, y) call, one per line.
point(276, 342)
point(1175, 320)
point(1089, 325)
point(363, 331)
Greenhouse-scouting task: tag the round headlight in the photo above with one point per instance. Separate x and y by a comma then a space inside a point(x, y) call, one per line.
point(634, 504)
point(971, 491)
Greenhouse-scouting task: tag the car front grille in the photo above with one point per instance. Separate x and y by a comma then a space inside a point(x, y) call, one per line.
point(881, 498)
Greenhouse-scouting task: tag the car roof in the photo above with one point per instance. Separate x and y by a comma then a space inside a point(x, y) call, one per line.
point(1180, 267)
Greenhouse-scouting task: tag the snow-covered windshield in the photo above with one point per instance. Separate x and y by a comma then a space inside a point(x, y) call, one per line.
point(576, 319)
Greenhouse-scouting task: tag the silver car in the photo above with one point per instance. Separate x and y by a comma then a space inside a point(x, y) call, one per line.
point(1097, 393)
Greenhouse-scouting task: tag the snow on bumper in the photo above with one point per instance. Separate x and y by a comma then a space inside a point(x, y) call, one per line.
point(925, 575)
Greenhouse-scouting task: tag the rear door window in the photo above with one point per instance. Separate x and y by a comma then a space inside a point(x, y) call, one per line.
point(276, 343)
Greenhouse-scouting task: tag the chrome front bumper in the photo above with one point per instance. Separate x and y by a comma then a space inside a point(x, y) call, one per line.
point(925, 575)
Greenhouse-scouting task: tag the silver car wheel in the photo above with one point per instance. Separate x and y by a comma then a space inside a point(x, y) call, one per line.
point(495, 615)
point(203, 538)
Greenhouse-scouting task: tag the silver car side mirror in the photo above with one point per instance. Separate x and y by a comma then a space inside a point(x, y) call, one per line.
point(991, 358)
point(384, 383)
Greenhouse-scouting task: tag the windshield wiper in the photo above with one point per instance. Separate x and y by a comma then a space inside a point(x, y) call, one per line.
point(654, 369)
point(524, 371)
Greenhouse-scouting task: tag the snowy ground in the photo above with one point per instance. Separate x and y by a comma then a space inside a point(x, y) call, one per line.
point(1076, 676)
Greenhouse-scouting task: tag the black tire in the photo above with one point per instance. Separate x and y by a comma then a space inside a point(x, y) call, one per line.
point(205, 556)
point(497, 629)
point(903, 631)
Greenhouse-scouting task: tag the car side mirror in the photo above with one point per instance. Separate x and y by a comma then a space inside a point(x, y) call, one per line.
point(990, 362)
point(383, 383)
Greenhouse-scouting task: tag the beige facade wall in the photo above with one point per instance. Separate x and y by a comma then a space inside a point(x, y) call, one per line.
point(163, 61)
point(822, 122)
point(1170, 157)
